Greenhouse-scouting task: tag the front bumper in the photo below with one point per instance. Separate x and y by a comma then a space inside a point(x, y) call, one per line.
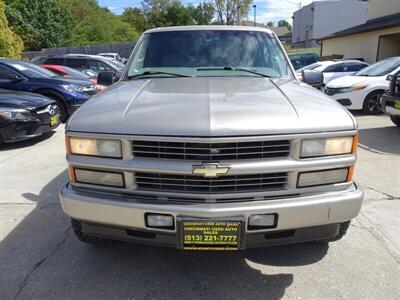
point(352, 100)
point(306, 217)
point(21, 130)
point(391, 105)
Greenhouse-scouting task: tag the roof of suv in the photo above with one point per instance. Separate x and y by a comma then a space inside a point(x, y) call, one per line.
point(208, 27)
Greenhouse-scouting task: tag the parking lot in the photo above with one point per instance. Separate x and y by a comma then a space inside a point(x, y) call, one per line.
point(41, 259)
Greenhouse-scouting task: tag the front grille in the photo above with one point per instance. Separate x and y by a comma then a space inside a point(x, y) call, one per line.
point(211, 151)
point(221, 184)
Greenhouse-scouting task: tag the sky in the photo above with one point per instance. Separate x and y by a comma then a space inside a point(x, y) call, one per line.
point(267, 10)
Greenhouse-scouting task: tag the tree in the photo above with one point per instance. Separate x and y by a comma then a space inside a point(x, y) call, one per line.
point(227, 10)
point(270, 24)
point(11, 44)
point(135, 18)
point(93, 24)
point(284, 23)
point(161, 13)
point(40, 23)
point(203, 13)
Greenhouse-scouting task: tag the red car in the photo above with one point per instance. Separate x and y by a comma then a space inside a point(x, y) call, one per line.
point(72, 73)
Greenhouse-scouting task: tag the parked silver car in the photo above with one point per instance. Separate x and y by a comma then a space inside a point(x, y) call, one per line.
point(208, 142)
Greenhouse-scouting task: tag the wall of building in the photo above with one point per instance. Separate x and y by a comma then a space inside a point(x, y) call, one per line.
point(380, 8)
point(362, 45)
point(322, 18)
point(331, 17)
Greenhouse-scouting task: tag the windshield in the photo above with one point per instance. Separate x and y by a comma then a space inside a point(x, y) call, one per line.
point(186, 52)
point(116, 64)
point(32, 71)
point(381, 68)
point(309, 67)
point(76, 74)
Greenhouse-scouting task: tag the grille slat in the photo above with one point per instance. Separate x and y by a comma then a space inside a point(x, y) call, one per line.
point(222, 184)
point(211, 151)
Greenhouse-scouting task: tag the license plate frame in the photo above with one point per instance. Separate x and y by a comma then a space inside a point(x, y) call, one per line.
point(54, 120)
point(211, 234)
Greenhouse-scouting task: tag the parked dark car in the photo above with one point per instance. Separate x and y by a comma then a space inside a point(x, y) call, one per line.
point(25, 115)
point(390, 101)
point(83, 61)
point(68, 93)
point(68, 72)
point(302, 59)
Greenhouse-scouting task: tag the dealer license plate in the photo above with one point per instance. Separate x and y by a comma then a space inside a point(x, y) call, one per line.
point(211, 234)
point(53, 120)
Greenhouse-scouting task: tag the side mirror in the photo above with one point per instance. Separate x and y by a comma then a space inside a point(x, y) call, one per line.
point(14, 77)
point(105, 78)
point(313, 78)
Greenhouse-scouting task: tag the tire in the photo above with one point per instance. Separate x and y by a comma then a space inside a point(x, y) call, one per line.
point(395, 120)
point(342, 232)
point(372, 103)
point(83, 237)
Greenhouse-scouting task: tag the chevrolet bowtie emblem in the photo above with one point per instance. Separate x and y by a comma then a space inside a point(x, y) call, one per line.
point(210, 170)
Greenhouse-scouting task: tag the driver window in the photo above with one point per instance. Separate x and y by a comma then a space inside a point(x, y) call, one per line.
point(5, 73)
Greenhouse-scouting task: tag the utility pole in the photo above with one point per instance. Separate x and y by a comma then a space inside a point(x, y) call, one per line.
point(255, 14)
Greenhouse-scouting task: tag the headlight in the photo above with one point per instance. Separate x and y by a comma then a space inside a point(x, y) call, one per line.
point(351, 89)
point(99, 177)
point(78, 88)
point(328, 146)
point(16, 114)
point(323, 177)
point(94, 147)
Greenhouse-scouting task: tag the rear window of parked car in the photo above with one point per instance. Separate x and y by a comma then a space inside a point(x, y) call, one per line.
point(77, 63)
point(55, 61)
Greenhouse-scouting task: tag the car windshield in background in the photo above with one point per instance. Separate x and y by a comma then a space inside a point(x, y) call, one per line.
point(381, 68)
point(116, 64)
point(310, 67)
point(32, 71)
point(222, 52)
point(76, 74)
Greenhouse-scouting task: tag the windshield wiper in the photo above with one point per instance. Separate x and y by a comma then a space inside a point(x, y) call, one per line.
point(228, 68)
point(146, 73)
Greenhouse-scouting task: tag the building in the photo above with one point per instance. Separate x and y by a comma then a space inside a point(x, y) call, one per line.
point(376, 39)
point(282, 33)
point(322, 18)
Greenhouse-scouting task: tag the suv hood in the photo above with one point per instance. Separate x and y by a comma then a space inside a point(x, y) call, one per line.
point(22, 99)
point(210, 106)
point(348, 81)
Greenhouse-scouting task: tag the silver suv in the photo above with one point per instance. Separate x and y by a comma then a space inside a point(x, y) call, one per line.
point(208, 142)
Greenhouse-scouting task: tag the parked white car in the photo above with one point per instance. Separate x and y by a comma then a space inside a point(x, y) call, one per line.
point(333, 69)
point(364, 89)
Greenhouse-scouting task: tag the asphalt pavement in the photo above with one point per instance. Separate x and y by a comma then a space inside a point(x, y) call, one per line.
point(40, 258)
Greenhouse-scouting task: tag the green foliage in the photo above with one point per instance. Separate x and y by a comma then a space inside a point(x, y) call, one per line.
point(135, 17)
point(227, 11)
point(203, 13)
point(284, 23)
point(40, 23)
point(11, 44)
point(270, 24)
point(93, 24)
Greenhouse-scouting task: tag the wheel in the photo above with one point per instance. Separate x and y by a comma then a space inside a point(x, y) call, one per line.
point(395, 120)
point(60, 103)
point(62, 109)
point(83, 237)
point(342, 231)
point(372, 103)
